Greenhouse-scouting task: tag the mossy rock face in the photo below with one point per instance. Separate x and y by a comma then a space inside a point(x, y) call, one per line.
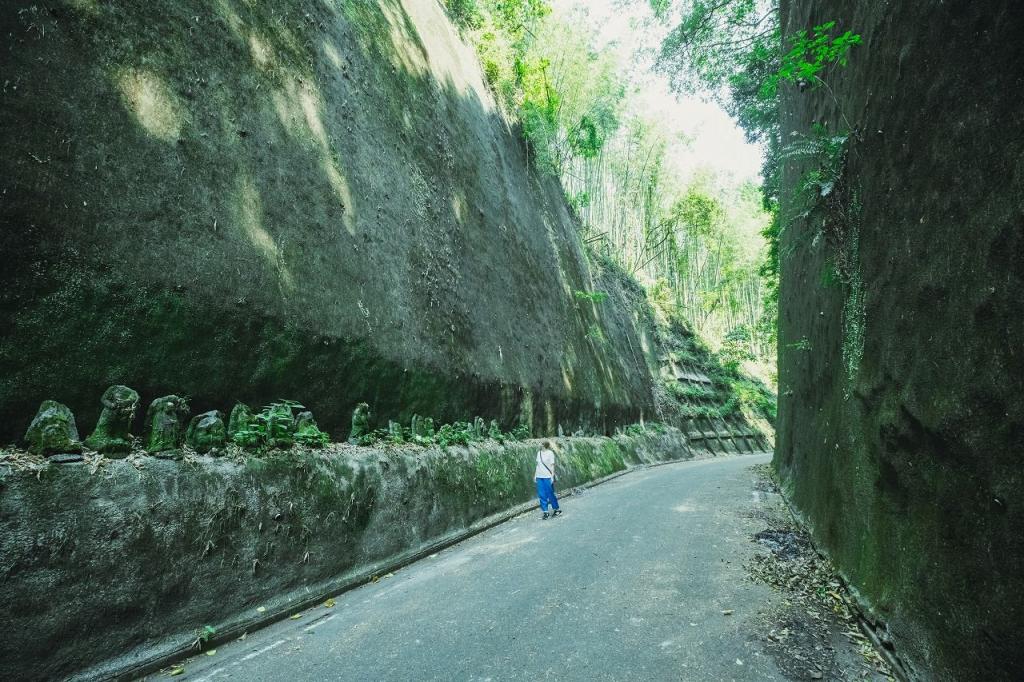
point(360, 422)
point(53, 430)
point(206, 432)
point(165, 424)
point(240, 419)
point(112, 435)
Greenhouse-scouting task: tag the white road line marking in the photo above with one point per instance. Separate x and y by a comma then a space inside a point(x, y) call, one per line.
point(254, 654)
point(214, 673)
point(263, 650)
point(319, 622)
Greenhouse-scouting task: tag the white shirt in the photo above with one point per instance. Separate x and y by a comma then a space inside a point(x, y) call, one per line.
point(545, 457)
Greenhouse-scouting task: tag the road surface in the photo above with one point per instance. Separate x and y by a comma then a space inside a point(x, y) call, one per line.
point(629, 584)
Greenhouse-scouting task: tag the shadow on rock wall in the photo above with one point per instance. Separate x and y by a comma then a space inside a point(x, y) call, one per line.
point(901, 419)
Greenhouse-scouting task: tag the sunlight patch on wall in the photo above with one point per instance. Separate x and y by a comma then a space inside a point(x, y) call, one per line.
point(234, 21)
point(311, 110)
point(283, 107)
point(299, 107)
point(89, 7)
point(404, 53)
point(556, 256)
point(645, 344)
point(250, 214)
point(451, 61)
point(566, 379)
point(332, 54)
point(154, 105)
point(261, 53)
point(459, 206)
point(340, 186)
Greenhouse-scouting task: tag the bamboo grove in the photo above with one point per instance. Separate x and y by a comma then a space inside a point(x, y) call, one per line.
point(692, 238)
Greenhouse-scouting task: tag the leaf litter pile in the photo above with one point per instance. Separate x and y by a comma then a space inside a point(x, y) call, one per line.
point(814, 634)
point(12, 460)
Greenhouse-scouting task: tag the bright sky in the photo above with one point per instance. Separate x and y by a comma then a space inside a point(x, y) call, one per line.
point(715, 142)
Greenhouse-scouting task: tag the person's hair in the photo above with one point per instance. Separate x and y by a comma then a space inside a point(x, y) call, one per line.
point(547, 444)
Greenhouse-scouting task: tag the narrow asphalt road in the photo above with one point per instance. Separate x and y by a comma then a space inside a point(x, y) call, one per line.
point(629, 584)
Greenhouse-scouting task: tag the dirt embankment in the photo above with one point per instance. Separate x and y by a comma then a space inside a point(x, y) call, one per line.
point(901, 419)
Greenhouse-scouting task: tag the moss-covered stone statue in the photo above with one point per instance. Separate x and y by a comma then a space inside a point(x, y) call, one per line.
point(360, 423)
point(494, 431)
point(395, 433)
point(165, 426)
point(240, 420)
point(304, 420)
point(206, 432)
point(479, 430)
point(112, 435)
point(53, 430)
point(423, 427)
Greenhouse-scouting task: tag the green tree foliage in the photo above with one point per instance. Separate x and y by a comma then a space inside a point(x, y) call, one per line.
point(810, 55)
point(583, 124)
point(544, 73)
point(715, 276)
point(732, 49)
point(735, 50)
point(713, 41)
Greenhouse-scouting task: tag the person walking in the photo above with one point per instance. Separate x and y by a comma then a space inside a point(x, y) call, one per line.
point(545, 476)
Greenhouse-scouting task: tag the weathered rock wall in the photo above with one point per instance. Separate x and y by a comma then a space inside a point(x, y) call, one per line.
point(311, 200)
point(129, 564)
point(901, 418)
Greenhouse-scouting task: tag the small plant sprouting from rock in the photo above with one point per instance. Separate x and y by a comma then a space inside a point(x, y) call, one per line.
point(687, 392)
point(595, 334)
point(802, 344)
point(203, 636)
point(827, 153)
point(592, 296)
point(311, 436)
point(521, 432)
point(811, 53)
point(645, 429)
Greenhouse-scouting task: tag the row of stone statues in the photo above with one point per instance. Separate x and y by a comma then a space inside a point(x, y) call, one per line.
point(422, 427)
point(53, 430)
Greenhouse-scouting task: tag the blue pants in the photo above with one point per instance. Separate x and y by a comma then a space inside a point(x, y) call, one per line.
point(546, 494)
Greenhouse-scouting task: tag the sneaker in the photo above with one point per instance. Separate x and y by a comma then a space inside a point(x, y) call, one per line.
point(544, 517)
point(557, 512)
